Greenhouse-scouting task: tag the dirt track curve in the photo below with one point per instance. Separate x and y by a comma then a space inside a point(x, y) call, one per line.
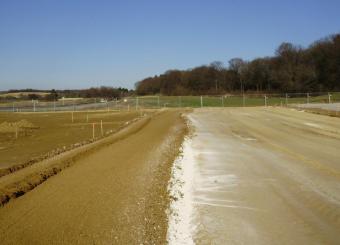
point(117, 194)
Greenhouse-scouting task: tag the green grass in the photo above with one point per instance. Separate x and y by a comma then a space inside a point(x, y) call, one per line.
point(229, 101)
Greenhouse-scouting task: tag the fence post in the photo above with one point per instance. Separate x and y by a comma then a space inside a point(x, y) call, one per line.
point(54, 105)
point(136, 103)
point(265, 100)
point(72, 116)
point(286, 99)
point(92, 130)
point(158, 102)
point(329, 98)
point(101, 127)
point(13, 107)
point(307, 98)
point(222, 101)
point(243, 100)
point(201, 101)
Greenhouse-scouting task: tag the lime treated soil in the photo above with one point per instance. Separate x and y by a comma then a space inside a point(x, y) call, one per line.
point(117, 194)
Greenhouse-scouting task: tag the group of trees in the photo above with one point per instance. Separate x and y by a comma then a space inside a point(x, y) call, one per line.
point(51, 95)
point(104, 92)
point(292, 69)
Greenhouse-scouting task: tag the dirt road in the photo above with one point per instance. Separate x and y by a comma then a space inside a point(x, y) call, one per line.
point(263, 176)
point(116, 195)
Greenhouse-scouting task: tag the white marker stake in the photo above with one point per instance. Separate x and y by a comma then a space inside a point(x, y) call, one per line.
point(101, 127)
point(201, 101)
point(265, 101)
point(92, 130)
point(329, 98)
point(307, 98)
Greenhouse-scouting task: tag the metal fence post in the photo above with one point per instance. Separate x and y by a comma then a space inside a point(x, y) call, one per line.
point(307, 98)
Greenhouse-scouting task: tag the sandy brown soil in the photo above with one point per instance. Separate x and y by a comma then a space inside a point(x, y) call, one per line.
point(52, 132)
point(117, 194)
point(264, 176)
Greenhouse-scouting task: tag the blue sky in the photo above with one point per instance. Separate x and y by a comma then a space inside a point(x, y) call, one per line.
point(77, 44)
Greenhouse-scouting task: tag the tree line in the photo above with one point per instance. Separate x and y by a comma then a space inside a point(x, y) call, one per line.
point(291, 69)
point(93, 92)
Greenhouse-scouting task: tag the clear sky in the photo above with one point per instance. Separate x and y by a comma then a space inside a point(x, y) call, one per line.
point(77, 44)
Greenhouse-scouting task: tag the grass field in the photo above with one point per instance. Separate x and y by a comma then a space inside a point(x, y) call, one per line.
point(25, 136)
point(231, 100)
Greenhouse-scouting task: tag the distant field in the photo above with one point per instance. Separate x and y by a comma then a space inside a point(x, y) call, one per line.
point(39, 133)
point(20, 94)
point(128, 103)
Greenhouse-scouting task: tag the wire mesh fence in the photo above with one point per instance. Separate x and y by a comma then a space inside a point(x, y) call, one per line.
point(154, 102)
